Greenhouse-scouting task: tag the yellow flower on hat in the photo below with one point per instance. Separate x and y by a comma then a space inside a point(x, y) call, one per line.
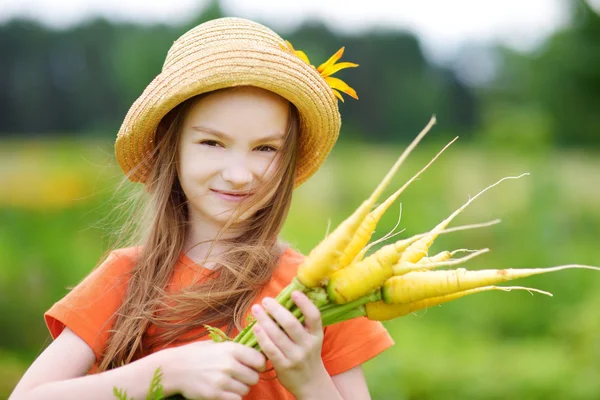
point(327, 69)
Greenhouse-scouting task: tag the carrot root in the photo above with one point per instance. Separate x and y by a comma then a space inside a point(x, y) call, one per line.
point(415, 286)
point(381, 311)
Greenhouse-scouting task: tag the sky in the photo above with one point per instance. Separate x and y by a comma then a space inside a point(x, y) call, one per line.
point(445, 28)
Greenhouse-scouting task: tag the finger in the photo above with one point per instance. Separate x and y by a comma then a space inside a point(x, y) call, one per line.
point(288, 322)
point(277, 336)
point(249, 357)
point(312, 315)
point(236, 387)
point(230, 396)
point(245, 374)
point(267, 346)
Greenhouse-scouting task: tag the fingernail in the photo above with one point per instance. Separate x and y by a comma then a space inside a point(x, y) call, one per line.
point(255, 309)
point(267, 300)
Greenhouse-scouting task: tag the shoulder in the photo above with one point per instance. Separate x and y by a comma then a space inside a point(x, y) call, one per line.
point(89, 308)
point(288, 263)
point(113, 269)
point(291, 256)
point(126, 255)
point(119, 260)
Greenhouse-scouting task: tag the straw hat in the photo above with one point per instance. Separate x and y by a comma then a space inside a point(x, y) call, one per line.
point(228, 52)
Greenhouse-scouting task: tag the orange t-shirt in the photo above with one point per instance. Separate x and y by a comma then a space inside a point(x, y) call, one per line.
point(88, 310)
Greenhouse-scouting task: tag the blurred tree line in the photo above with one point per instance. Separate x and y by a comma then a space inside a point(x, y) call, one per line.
point(82, 81)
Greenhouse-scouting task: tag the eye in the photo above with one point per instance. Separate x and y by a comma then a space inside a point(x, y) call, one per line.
point(266, 148)
point(211, 143)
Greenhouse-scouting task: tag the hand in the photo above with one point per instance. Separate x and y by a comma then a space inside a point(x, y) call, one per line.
point(295, 351)
point(208, 370)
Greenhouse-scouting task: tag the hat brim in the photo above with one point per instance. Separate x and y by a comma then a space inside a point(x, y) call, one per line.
point(235, 63)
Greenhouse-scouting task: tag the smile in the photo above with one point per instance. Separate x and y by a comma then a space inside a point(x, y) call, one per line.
point(233, 197)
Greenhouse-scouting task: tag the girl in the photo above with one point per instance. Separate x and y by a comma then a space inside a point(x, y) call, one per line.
point(234, 122)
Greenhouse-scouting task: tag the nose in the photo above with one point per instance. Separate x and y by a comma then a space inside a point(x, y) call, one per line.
point(237, 174)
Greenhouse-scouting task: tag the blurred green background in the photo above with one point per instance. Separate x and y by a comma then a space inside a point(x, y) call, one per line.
point(65, 92)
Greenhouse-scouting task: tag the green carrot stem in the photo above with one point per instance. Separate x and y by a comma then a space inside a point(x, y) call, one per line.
point(251, 342)
point(334, 313)
point(284, 296)
point(242, 337)
point(289, 303)
point(242, 333)
point(328, 307)
point(359, 311)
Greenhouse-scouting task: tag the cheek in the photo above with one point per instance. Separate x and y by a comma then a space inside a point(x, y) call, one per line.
point(267, 167)
point(194, 167)
point(270, 172)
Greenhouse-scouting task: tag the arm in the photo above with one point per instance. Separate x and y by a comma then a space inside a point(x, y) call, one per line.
point(351, 384)
point(60, 373)
point(348, 385)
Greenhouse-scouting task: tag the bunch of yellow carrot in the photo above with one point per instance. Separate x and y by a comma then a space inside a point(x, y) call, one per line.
point(396, 279)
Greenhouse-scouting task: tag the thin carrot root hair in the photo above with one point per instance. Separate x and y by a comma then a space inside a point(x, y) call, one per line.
point(328, 227)
point(453, 252)
point(528, 289)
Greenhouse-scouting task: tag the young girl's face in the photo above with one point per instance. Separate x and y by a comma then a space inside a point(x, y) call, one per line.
point(229, 146)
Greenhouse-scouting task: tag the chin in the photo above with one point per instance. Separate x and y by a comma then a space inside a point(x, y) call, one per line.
point(222, 216)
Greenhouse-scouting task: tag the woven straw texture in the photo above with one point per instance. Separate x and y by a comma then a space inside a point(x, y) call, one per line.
point(222, 53)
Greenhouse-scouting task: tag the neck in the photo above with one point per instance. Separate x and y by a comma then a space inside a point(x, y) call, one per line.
point(200, 237)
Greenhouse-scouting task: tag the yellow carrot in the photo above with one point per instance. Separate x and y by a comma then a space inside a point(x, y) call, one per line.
point(381, 311)
point(420, 248)
point(439, 257)
point(366, 229)
point(404, 267)
point(324, 258)
point(362, 277)
point(358, 279)
point(416, 286)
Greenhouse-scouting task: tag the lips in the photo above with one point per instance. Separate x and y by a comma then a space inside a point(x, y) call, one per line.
point(240, 194)
point(232, 196)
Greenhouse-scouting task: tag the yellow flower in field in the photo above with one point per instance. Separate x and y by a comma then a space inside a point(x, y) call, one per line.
point(327, 69)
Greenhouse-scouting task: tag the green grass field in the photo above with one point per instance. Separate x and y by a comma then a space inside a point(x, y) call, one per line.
point(56, 209)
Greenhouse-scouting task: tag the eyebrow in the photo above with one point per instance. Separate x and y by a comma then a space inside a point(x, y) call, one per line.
point(225, 136)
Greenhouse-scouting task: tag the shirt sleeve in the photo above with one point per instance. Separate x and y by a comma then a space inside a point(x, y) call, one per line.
point(89, 309)
point(350, 343)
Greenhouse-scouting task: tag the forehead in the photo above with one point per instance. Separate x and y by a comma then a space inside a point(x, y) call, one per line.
point(244, 112)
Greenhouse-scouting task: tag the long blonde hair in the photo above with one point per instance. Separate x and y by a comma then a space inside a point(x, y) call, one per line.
point(243, 268)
